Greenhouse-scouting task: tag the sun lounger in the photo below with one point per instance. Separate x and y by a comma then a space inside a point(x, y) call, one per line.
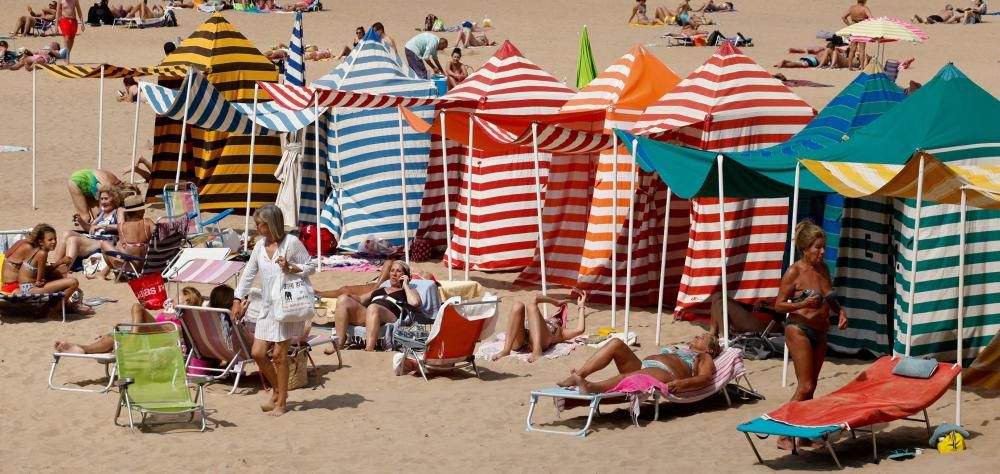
point(875, 396)
point(31, 304)
point(43, 27)
point(211, 334)
point(107, 360)
point(728, 369)
point(452, 339)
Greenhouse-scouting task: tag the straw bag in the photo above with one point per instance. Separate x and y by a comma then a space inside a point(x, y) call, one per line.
point(298, 373)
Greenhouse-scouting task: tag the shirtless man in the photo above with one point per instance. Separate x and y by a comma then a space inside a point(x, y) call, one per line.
point(68, 15)
point(943, 16)
point(386, 39)
point(855, 14)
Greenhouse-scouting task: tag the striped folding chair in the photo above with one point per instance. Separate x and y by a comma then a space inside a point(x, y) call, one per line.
point(211, 334)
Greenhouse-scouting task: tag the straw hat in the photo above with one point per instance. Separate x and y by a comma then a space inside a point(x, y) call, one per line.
point(134, 203)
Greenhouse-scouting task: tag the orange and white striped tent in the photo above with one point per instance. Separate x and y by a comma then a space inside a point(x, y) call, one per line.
point(581, 226)
point(730, 103)
point(504, 227)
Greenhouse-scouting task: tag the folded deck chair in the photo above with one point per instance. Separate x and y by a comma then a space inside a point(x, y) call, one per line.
point(180, 201)
point(451, 342)
point(211, 334)
point(169, 237)
point(183, 268)
point(43, 27)
point(728, 369)
point(152, 376)
point(107, 360)
point(875, 396)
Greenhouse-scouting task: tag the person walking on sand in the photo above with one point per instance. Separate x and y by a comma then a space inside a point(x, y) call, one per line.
point(856, 14)
point(68, 15)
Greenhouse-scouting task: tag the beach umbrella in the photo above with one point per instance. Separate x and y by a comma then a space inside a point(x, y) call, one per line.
point(586, 70)
point(295, 70)
point(883, 29)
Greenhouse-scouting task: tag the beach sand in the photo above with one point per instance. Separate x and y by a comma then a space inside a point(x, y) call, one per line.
point(361, 416)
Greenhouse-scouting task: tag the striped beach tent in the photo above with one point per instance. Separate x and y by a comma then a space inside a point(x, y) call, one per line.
point(110, 71)
point(730, 104)
point(218, 162)
point(504, 227)
point(581, 228)
point(361, 180)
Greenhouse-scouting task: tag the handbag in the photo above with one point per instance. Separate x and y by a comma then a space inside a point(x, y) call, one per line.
point(295, 300)
point(298, 373)
point(149, 290)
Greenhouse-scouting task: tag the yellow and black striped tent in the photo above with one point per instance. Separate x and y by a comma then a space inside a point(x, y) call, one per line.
point(93, 71)
point(218, 162)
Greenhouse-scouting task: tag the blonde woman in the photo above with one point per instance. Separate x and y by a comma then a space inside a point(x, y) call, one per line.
point(278, 253)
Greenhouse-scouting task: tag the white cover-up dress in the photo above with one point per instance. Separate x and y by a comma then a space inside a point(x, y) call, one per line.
point(268, 328)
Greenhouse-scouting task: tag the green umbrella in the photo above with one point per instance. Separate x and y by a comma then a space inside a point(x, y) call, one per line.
point(586, 71)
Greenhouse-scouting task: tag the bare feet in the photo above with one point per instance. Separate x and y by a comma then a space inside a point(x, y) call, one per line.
point(82, 310)
point(568, 381)
point(582, 385)
point(331, 350)
point(501, 355)
point(809, 443)
point(269, 405)
point(906, 64)
point(69, 347)
point(534, 356)
point(785, 443)
point(278, 411)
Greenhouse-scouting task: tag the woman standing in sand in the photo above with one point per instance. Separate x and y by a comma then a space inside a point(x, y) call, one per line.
point(279, 253)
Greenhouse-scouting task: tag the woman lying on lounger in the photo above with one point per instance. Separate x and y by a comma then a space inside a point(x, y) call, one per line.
point(681, 370)
point(528, 330)
point(375, 308)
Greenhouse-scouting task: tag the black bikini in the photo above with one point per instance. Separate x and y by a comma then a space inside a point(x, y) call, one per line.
point(394, 302)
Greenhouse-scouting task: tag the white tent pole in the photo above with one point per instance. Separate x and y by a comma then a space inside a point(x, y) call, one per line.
point(961, 308)
point(538, 205)
point(791, 258)
point(447, 201)
point(614, 231)
point(634, 188)
point(663, 266)
point(722, 255)
point(100, 122)
point(468, 207)
point(34, 144)
point(913, 261)
point(340, 178)
point(319, 203)
point(184, 121)
point(253, 143)
point(135, 135)
point(402, 183)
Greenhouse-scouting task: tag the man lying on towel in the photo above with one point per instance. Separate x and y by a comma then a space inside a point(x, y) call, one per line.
point(678, 369)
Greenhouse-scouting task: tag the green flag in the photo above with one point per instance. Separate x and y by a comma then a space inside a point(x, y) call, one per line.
point(586, 71)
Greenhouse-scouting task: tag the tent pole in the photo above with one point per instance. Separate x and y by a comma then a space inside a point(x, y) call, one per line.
point(791, 258)
point(663, 267)
point(184, 120)
point(100, 122)
point(340, 179)
point(634, 189)
point(447, 202)
point(253, 143)
point(468, 207)
point(961, 308)
point(538, 205)
point(614, 232)
point(722, 255)
point(34, 144)
point(135, 135)
point(913, 261)
point(319, 204)
point(402, 179)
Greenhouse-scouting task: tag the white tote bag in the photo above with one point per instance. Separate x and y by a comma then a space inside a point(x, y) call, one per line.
point(295, 300)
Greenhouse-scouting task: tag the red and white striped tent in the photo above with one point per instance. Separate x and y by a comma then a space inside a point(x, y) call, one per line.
point(583, 225)
point(504, 224)
point(730, 103)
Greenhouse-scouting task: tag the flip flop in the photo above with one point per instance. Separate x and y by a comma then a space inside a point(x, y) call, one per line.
point(902, 454)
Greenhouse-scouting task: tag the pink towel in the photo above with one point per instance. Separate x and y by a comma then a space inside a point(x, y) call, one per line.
point(639, 383)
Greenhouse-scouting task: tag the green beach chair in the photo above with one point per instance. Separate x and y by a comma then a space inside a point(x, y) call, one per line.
point(152, 378)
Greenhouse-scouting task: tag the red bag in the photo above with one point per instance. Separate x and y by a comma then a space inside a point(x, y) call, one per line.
point(420, 250)
point(149, 290)
point(307, 234)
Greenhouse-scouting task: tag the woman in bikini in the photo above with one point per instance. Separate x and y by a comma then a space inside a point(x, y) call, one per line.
point(359, 33)
point(26, 269)
point(806, 294)
point(641, 18)
point(381, 306)
point(102, 227)
point(134, 233)
point(456, 71)
point(680, 369)
point(527, 329)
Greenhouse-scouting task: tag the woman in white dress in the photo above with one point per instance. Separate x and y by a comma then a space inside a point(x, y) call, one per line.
point(278, 253)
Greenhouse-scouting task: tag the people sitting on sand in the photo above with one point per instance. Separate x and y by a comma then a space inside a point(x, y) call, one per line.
point(528, 330)
point(692, 28)
point(299, 6)
point(131, 91)
point(143, 11)
point(457, 71)
point(315, 53)
point(27, 270)
point(134, 233)
point(386, 39)
point(7, 57)
point(641, 17)
point(946, 15)
point(680, 369)
point(970, 16)
point(27, 60)
point(824, 58)
point(468, 39)
point(359, 33)
point(711, 7)
point(375, 308)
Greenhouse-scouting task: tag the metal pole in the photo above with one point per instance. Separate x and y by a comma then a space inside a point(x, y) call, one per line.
point(791, 257)
point(722, 255)
point(402, 179)
point(468, 207)
point(913, 261)
point(100, 123)
point(961, 309)
point(663, 267)
point(135, 135)
point(447, 202)
point(184, 120)
point(340, 178)
point(319, 203)
point(34, 144)
point(614, 232)
point(538, 204)
point(634, 186)
point(253, 143)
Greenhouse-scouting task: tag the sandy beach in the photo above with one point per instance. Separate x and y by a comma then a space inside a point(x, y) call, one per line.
point(361, 417)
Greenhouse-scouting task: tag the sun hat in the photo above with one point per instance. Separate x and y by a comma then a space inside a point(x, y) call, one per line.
point(134, 203)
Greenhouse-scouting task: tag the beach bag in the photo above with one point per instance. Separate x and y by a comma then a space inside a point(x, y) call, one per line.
point(376, 246)
point(429, 22)
point(438, 25)
point(420, 250)
point(298, 373)
point(295, 300)
point(149, 290)
point(308, 236)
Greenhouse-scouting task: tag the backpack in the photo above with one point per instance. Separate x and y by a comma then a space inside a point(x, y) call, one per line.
point(429, 22)
point(169, 18)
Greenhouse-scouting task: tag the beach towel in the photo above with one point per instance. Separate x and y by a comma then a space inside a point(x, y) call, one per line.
point(487, 350)
point(636, 388)
point(345, 263)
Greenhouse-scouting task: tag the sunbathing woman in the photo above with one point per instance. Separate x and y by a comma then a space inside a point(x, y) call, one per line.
point(711, 7)
point(33, 269)
point(83, 192)
point(640, 17)
point(467, 38)
point(28, 60)
point(134, 233)
point(824, 58)
point(359, 33)
point(456, 71)
point(381, 306)
point(27, 22)
point(528, 330)
point(103, 227)
point(299, 6)
point(806, 294)
point(681, 370)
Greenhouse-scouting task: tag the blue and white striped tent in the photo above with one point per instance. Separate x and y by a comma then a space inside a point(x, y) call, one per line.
point(208, 109)
point(361, 182)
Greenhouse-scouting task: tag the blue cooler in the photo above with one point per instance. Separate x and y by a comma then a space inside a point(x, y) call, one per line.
point(441, 83)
